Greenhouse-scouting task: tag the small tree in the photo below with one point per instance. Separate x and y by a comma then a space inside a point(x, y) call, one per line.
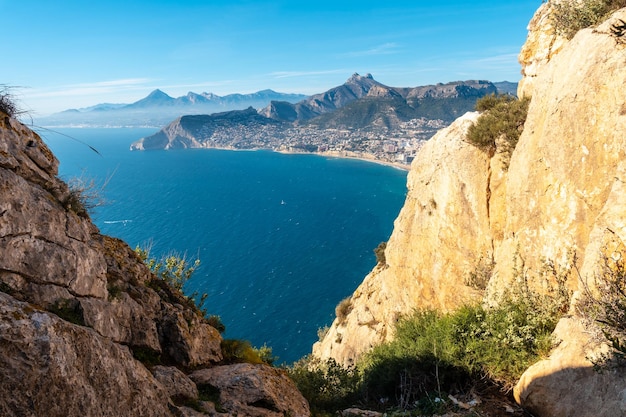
point(500, 125)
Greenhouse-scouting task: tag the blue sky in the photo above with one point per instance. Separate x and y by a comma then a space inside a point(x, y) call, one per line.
point(72, 54)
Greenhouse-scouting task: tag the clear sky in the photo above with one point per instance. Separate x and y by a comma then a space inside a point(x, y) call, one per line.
point(76, 53)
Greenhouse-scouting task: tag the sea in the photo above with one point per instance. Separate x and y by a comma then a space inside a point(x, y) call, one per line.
point(281, 238)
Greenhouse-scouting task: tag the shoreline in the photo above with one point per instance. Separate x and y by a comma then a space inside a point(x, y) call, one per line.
point(340, 155)
point(328, 154)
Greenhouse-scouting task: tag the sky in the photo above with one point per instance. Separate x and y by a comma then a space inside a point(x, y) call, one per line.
point(74, 54)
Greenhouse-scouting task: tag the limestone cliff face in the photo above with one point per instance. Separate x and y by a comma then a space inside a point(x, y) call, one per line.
point(85, 328)
point(445, 218)
point(563, 191)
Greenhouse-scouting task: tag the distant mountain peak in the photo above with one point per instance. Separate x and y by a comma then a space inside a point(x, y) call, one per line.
point(158, 94)
point(356, 77)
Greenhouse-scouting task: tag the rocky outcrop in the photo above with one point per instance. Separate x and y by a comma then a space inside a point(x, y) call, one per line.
point(253, 390)
point(85, 328)
point(445, 219)
point(562, 193)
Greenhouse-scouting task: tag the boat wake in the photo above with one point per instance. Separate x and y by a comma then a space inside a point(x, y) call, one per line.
point(118, 221)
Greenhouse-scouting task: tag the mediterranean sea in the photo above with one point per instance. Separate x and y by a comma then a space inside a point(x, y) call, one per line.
point(282, 239)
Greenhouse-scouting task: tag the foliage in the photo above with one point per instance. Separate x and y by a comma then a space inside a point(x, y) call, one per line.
point(435, 354)
point(380, 254)
point(568, 17)
point(343, 309)
point(326, 385)
point(84, 196)
point(216, 321)
point(241, 351)
point(175, 270)
point(500, 125)
point(7, 102)
point(606, 306)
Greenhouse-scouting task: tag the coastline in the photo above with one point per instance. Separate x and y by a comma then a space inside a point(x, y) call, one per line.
point(344, 155)
point(328, 154)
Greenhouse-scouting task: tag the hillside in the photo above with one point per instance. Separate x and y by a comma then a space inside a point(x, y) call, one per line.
point(87, 329)
point(553, 212)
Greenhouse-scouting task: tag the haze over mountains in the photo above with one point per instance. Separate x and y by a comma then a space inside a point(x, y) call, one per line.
point(158, 109)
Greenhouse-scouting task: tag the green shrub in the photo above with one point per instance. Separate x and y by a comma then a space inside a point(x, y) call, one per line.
point(568, 17)
point(175, 270)
point(326, 385)
point(241, 351)
point(500, 125)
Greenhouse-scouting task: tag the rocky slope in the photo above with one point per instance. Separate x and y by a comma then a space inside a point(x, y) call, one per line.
point(562, 193)
point(87, 330)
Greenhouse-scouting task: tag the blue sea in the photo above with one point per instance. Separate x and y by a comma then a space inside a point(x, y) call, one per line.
point(281, 238)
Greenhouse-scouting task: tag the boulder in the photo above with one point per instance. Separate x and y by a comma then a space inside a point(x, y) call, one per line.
point(253, 390)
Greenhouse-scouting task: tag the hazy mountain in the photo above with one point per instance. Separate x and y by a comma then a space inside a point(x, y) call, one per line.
point(158, 109)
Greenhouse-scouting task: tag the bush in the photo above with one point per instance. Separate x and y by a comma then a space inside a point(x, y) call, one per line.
point(172, 272)
point(84, 196)
point(568, 17)
point(326, 385)
point(343, 309)
point(500, 125)
point(7, 102)
point(381, 259)
point(216, 322)
point(241, 351)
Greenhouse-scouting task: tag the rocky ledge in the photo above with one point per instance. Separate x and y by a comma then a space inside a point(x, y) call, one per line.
point(87, 330)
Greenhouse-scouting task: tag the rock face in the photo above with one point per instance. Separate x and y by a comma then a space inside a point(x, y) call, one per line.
point(562, 192)
point(450, 184)
point(85, 328)
point(253, 390)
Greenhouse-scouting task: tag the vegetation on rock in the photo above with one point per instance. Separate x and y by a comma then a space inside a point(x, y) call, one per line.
point(434, 355)
point(7, 103)
point(568, 17)
point(500, 124)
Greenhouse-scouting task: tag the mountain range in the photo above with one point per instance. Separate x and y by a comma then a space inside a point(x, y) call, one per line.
point(158, 109)
point(361, 110)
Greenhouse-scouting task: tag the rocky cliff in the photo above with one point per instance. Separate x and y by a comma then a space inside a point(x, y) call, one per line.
point(561, 194)
point(87, 330)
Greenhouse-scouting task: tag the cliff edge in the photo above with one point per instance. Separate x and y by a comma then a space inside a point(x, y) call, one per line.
point(86, 329)
point(561, 193)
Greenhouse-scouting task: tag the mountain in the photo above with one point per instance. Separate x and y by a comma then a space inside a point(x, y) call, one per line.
point(158, 109)
point(388, 107)
point(361, 118)
point(195, 130)
point(548, 213)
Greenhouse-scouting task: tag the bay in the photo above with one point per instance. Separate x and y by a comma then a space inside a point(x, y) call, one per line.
point(281, 238)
